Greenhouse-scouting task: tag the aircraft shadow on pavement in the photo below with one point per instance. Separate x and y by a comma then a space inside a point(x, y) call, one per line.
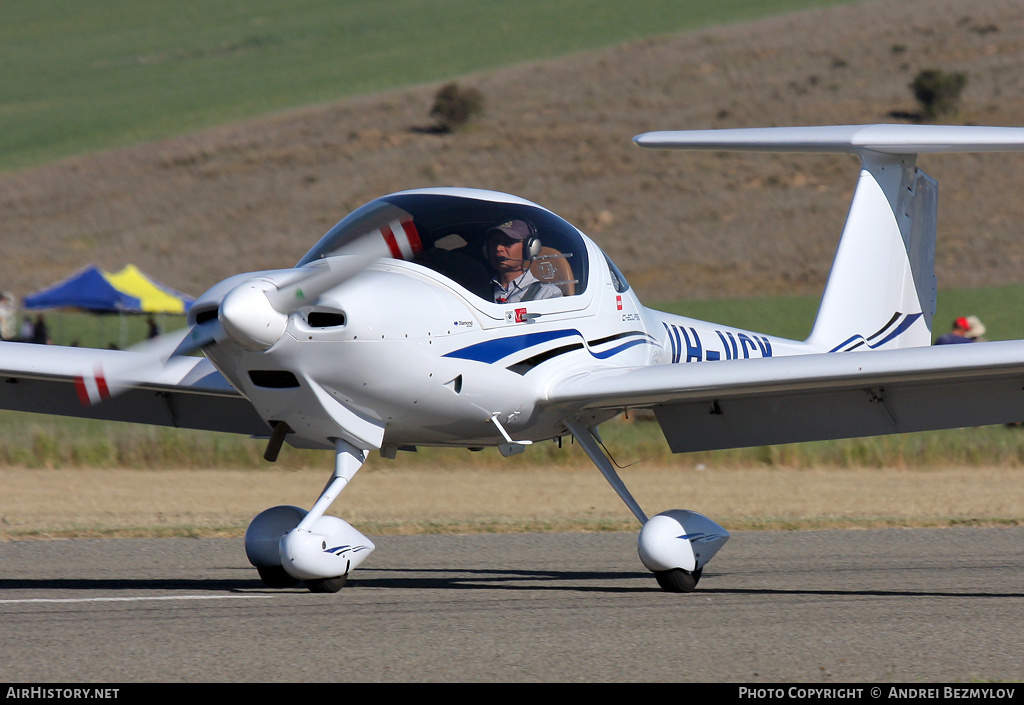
point(480, 579)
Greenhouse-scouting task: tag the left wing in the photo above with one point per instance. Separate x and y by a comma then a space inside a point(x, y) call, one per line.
point(115, 385)
point(765, 401)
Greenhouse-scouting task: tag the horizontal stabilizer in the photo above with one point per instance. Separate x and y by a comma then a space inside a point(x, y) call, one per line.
point(843, 139)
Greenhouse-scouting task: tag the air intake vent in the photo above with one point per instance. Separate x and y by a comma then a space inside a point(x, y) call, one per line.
point(273, 379)
point(207, 315)
point(325, 319)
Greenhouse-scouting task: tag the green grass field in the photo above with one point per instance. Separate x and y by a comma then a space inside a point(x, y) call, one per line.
point(31, 440)
point(86, 76)
point(1001, 309)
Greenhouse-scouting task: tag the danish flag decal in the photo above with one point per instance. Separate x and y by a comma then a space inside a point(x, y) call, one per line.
point(520, 315)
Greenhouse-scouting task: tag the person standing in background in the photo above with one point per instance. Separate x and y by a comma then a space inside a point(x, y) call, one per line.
point(975, 329)
point(8, 316)
point(958, 334)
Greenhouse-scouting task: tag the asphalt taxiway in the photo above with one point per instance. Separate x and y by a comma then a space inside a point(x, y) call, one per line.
point(842, 606)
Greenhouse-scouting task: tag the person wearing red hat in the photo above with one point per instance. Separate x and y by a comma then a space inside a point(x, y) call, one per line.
point(958, 335)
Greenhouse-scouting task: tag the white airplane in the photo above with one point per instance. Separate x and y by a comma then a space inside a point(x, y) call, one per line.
point(387, 336)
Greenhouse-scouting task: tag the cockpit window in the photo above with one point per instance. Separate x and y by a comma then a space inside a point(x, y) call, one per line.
point(618, 281)
point(451, 232)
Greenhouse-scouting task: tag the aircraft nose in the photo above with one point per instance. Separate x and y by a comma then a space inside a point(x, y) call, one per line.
point(249, 318)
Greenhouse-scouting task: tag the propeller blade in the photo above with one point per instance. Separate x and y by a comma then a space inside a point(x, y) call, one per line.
point(199, 336)
point(255, 313)
point(117, 371)
point(396, 238)
point(312, 280)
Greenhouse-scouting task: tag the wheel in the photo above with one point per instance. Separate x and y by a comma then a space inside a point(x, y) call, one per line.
point(327, 584)
point(275, 576)
point(677, 579)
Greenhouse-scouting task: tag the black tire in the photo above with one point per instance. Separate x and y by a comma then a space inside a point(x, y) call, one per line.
point(327, 584)
point(275, 576)
point(677, 579)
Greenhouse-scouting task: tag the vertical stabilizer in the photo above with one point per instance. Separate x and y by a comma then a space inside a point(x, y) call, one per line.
point(881, 291)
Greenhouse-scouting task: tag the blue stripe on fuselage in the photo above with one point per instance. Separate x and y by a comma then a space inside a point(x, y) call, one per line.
point(490, 351)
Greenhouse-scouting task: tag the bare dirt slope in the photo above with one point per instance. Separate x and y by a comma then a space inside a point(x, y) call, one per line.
point(256, 195)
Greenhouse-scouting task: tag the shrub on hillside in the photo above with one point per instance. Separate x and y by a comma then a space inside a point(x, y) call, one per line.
point(938, 91)
point(454, 106)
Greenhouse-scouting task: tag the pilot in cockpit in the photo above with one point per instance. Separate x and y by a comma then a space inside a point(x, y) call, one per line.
point(511, 248)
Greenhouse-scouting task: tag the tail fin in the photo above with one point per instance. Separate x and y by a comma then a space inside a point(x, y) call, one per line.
point(881, 291)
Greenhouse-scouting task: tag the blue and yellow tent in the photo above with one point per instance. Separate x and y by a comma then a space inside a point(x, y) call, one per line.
point(153, 296)
point(126, 291)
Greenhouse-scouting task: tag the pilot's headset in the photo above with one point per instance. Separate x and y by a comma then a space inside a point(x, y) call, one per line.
point(517, 229)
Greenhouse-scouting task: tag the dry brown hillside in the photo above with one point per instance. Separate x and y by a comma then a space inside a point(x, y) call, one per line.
point(256, 195)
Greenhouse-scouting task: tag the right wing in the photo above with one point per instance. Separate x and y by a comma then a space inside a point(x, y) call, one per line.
point(186, 392)
point(819, 396)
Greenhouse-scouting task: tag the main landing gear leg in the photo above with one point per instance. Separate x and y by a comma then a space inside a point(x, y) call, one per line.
point(588, 440)
point(310, 546)
point(674, 545)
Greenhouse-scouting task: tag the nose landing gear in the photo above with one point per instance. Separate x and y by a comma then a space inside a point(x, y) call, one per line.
point(287, 544)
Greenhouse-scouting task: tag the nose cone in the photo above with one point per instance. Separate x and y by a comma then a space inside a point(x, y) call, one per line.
point(249, 319)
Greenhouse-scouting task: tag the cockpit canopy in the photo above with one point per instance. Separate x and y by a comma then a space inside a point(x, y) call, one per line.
point(451, 227)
